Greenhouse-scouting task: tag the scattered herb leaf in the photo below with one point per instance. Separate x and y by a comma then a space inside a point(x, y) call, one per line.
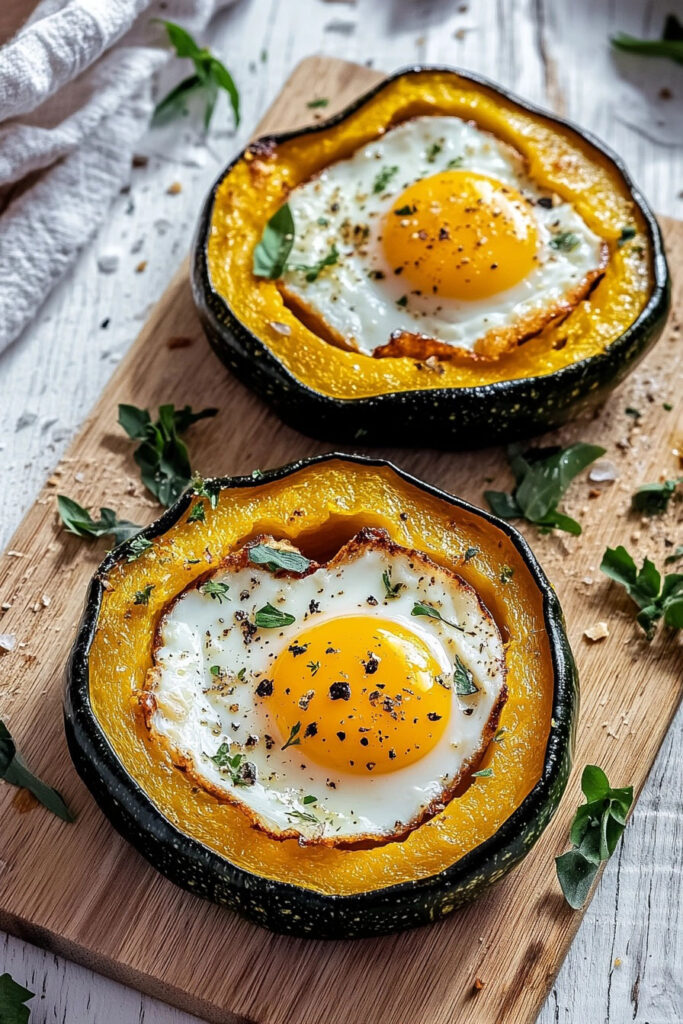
point(12, 999)
point(594, 834)
point(234, 765)
point(215, 671)
point(543, 476)
point(403, 301)
point(13, 770)
point(506, 574)
point(677, 554)
point(635, 413)
point(314, 667)
point(314, 104)
point(653, 499)
point(627, 233)
point(206, 489)
point(565, 241)
point(210, 75)
point(162, 456)
point(405, 211)
point(197, 514)
point(138, 546)
point(272, 618)
point(271, 253)
point(313, 270)
point(303, 816)
point(384, 177)
point(433, 613)
point(470, 553)
point(670, 45)
point(216, 590)
point(433, 152)
point(278, 558)
point(78, 520)
point(485, 773)
point(293, 739)
point(143, 596)
point(463, 679)
point(656, 598)
point(457, 161)
point(310, 800)
point(391, 590)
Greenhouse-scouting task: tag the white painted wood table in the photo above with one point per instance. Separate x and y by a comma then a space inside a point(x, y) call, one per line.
point(626, 962)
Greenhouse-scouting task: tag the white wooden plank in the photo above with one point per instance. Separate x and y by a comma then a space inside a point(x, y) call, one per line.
point(555, 53)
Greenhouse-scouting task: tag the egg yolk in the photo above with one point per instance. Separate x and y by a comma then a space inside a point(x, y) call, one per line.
point(360, 694)
point(460, 235)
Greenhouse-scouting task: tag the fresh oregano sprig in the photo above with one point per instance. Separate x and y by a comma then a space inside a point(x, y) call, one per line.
point(210, 76)
point(161, 455)
point(655, 597)
point(594, 834)
point(12, 999)
point(77, 520)
point(543, 475)
point(13, 769)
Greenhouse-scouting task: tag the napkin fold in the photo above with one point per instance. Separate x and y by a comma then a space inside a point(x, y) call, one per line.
point(75, 97)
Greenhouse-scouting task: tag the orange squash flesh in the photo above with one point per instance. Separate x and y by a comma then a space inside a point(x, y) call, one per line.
point(318, 508)
point(558, 159)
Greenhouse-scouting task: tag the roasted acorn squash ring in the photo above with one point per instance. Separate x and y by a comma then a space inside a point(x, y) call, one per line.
point(180, 832)
point(338, 395)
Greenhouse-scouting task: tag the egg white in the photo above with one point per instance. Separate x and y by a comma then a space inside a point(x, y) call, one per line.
point(339, 206)
point(192, 716)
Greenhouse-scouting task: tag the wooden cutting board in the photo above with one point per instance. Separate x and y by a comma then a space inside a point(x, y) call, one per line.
point(81, 891)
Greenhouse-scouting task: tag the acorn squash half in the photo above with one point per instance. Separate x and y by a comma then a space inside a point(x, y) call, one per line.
point(209, 846)
point(332, 393)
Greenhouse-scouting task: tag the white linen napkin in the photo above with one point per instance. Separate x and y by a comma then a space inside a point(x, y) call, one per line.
point(75, 96)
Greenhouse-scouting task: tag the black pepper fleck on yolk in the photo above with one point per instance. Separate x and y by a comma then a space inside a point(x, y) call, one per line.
point(375, 700)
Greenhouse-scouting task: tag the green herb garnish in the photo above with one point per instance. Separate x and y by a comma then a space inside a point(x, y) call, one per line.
point(310, 800)
point(470, 553)
point(272, 618)
point(210, 75)
point(565, 241)
point(137, 547)
point(314, 667)
point(314, 104)
point(234, 765)
point(635, 413)
point(433, 613)
point(391, 590)
point(197, 514)
point(13, 769)
point(457, 161)
point(215, 671)
point(271, 253)
point(485, 773)
point(216, 590)
point(542, 477)
point(403, 301)
point(653, 499)
point(627, 233)
point(384, 177)
point(405, 211)
point(594, 834)
point(312, 270)
point(656, 598)
point(293, 739)
point(670, 45)
point(433, 152)
point(206, 489)
point(143, 596)
point(677, 554)
point(506, 574)
point(463, 679)
point(303, 816)
point(78, 521)
point(162, 457)
point(278, 558)
point(12, 999)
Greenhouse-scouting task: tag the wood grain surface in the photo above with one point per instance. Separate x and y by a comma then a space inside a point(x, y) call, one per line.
point(80, 890)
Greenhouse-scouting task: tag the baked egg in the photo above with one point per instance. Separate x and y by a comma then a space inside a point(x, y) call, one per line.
point(342, 703)
point(434, 239)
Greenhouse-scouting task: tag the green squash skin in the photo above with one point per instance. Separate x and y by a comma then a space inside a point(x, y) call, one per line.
point(448, 418)
point(279, 906)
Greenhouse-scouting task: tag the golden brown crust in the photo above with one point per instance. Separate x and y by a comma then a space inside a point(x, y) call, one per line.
point(498, 341)
point(368, 538)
